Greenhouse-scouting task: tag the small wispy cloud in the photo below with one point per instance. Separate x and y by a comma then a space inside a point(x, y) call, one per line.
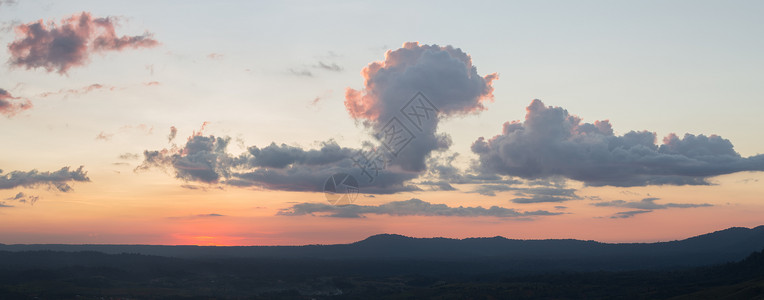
point(412, 207)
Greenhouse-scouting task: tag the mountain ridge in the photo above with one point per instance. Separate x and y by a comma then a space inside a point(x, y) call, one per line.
point(731, 244)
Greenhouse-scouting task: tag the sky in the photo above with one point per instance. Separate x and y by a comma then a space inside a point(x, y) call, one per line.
point(223, 123)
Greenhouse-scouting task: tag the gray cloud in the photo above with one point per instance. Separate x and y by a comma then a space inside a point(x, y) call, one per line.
point(628, 214)
point(69, 44)
point(199, 216)
point(301, 73)
point(280, 156)
point(329, 66)
point(442, 169)
point(58, 179)
point(10, 105)
point(545, 194)
point(648, 204)
point(78, 91)
point(541, 199)
point(129, 156)
point(538, 192)
point(412, 207)
point(275, 167)
point(102, 136)
point(444, 75)
point(438, 185)
point(491, 189)
point(24, 198)
point(203, 158)
point(551, 142)
point(173, 133)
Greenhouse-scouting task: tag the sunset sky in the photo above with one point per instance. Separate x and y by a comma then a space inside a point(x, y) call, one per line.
point(219, 122)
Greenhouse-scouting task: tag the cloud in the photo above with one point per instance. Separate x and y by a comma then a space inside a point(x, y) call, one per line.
point(532, 191)
point(199, 216)
point(545, 194)
point(328, 66)
point(173, 133)
point(210, 215)
point(301, 73)
point(59, 47)
point(8, 2)
point(202, 159)
point(491, 189)
point(129, 156)
point(283, 167)
point(552, 142)
point(628, 214)
point(104, 136)
point(215, 56)
point(648, 204)
point(412, 207)
point(58, 179)
point(438, 185)
point(280, 156)
point(442, 168)
point(7, 26)
point(410, 92)
point(24, 198)
point(10, 105)
point(276, 167)
point(79, 91)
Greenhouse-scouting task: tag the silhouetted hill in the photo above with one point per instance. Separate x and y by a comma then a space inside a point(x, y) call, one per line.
point(563, 254)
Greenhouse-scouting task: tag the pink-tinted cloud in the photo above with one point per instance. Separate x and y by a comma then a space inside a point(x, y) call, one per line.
point(79, 91)
point(59, 47)
point(443, 73)
point(104, 136)
point(173, 133)
point(10, 105)
point(424, 84)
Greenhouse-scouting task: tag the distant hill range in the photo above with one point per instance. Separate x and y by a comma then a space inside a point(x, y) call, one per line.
point(723, 246)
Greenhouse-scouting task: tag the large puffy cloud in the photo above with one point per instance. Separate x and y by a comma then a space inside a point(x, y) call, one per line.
point(443, 75)
point(60, 47)
point(59, 179)
point(552, 142)
point(10, 105)
point(412, 207)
